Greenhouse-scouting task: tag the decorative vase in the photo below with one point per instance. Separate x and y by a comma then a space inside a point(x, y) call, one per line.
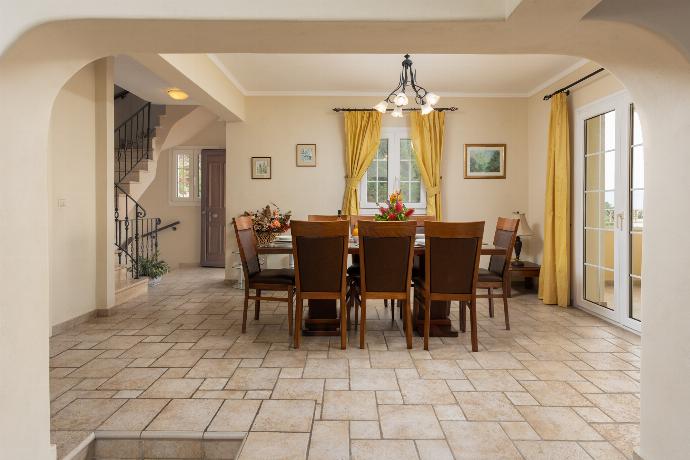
point(265, 238)
point(155, 281)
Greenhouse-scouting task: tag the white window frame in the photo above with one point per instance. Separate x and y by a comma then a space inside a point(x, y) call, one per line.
point(195, 199)
point(394, 135)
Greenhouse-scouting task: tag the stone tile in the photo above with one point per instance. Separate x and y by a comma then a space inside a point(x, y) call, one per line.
point(209, 368)
point(438, 369)
point(326, 369)
point(482, 406)
point(253, 379)
point(349, 405)
point(291, 373)
point(460, 385)
point(390, 359)
point(74, 358)
point(128, 394)
point(215, 383)
point(247, 350)
point(258, 394)
point(478, 440)
point(185, 335)
point(299, 389)
point(362, 429)
point(497, 360)
point(185, 415)
point(101, 367)
point(85, 414)
point(449, 412)
point(251, 362)
point(430, 449)
point(179, 358)
point(609, 381)
point(624, 436)
point(209, 342)
point(337, 384)
point(558, 423)
point(134, 415)
point(60, 385)
point(133, 378)
point(329, 440)
point(552, 370)
point(426, 392)
point(176, 373)
point(519, 431)
point(147, 350)
point(542, 450)
point(283, 446)
point(172, 388)
point(602, 451)
point(605, 362)
point(622, 407)
point(160, 329)
point(409, 422)
point(383, 450)
point(292, 358)
point(555, 393)
point(493, 380)
point(592, 415)
point(389, 397)
point(235, 416)
point(118, 342)
point(373, 379)
point(521, 398)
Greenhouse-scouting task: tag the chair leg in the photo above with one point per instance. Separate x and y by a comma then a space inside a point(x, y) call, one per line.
point(343, 322)
point(363, 324)
point(427, 322)
point(463, 315)
point(298, 321)
point(244, 311)
point(491, 303)
point(473, 321)
point(415, 311)
point(291, 293)
point(385, 303)
point(400, 313)
point(408, 321)
point(393, 311)
point(505, 309)
point(257, 305)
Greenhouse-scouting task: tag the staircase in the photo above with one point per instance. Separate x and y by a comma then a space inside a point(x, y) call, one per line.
point(136, 234)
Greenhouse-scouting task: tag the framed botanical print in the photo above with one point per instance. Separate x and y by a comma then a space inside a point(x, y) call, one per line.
point(261, 167)
point(306, 155)
point(485, 161)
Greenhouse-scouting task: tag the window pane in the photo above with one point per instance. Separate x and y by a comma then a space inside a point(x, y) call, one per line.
point(637, 210)
point(371, 192)
point(593, 135)
point(404, 170)
point(415, 192)
point(599, 286)
point(383, 169)
point(382, 153)
point(610, 131)
point(406, 149)
point(405, 190)
point(638, 167)
point(636, 254)
point(198, 179)
point(184, 175)
point(637, 129)
point(636, 298)
point(383, 192)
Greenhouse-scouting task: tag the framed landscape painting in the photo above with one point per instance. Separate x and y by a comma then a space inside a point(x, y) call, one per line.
point(485, 161)
point(261, 167)
point(306, 155)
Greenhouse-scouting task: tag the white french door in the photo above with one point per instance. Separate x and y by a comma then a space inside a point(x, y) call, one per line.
point(608, 210)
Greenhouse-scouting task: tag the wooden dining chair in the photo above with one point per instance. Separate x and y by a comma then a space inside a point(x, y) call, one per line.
point(320, 253)
point(421, 219)
point(386, 250)
point(353, 273)
point(325, 217)
point(282, 279)
point(496, 276)
point(451, 269)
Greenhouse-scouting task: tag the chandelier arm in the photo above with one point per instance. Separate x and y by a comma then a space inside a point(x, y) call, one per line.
point(401, 84)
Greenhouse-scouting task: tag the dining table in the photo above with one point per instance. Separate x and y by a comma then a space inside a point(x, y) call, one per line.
point(441, 325)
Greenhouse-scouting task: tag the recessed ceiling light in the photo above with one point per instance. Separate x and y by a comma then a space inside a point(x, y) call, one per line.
point(177, 94)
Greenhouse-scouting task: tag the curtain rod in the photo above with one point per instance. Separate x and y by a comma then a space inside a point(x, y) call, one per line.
point(566, 88)
point(438, 109)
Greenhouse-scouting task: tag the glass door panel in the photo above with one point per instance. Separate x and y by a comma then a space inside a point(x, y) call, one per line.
point(636, 215)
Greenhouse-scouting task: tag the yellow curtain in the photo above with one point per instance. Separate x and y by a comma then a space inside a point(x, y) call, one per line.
point(362, 135)
point(427, 141)
point(554, 279)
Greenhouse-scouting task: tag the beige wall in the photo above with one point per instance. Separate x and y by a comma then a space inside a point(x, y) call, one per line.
point(72, 145)
point(181, 246)
point(273, 127)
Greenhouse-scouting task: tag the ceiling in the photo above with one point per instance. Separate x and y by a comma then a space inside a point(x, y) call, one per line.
point(142, 82)
point(374, 74)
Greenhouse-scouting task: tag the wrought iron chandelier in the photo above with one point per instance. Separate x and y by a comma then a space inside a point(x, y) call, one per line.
point(408, 78)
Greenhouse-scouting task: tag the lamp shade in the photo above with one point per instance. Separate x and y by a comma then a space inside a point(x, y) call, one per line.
point(524, 228)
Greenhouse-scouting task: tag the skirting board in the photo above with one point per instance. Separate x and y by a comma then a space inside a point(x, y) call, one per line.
point(70, 323)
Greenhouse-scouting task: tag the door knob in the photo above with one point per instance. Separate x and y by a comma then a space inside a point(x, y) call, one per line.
point(214, 215)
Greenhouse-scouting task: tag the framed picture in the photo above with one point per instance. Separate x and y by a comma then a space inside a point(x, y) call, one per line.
point(261, 167)
point(306, 155)
point(485, 161)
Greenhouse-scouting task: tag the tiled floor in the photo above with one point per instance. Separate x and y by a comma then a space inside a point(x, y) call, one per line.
point(561, 384)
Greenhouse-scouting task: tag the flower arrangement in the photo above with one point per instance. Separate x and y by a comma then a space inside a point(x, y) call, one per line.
point(268, 222)
point(394, 209)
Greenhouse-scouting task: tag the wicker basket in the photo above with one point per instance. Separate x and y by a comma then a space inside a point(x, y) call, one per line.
point(265, 238)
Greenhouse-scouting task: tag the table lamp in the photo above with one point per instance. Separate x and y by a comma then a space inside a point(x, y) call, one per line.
point(523, 230)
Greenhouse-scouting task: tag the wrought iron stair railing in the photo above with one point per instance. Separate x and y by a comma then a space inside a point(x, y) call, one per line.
point(133, 142)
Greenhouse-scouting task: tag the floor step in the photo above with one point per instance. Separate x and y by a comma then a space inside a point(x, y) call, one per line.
point(130, 289)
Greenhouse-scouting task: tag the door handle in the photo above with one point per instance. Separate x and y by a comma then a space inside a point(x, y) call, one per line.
point(214, 215)
point(619, 220)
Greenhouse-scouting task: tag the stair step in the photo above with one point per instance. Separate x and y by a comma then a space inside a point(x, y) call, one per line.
point(130, 289)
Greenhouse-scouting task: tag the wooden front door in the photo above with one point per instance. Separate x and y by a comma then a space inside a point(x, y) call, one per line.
point(213, 208)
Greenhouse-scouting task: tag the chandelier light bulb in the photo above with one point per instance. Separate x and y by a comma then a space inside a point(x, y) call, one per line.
point(381, 106)
point(401, 99)
point(431, 98)
point(398, 112)
point(427, 109)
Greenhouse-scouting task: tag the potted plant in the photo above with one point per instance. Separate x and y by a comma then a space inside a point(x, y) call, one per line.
point(269, 223)
point(153, 268)
point(394, 209)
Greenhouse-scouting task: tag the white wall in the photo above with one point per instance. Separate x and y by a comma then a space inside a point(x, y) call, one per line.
point(273, 127)
point(183, 245)
point(72, 178)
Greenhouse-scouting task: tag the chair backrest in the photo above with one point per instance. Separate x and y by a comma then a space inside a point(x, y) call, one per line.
point(506, 232)
point(354, 220)
point(320, 252)
point(421, 219)
point(452, 257)
point(325, 217)
point(246, 241)
point(386, 250)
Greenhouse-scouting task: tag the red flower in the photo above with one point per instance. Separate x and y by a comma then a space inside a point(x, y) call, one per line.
point(392, 217)
point(409, 212)
point(398, 206)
